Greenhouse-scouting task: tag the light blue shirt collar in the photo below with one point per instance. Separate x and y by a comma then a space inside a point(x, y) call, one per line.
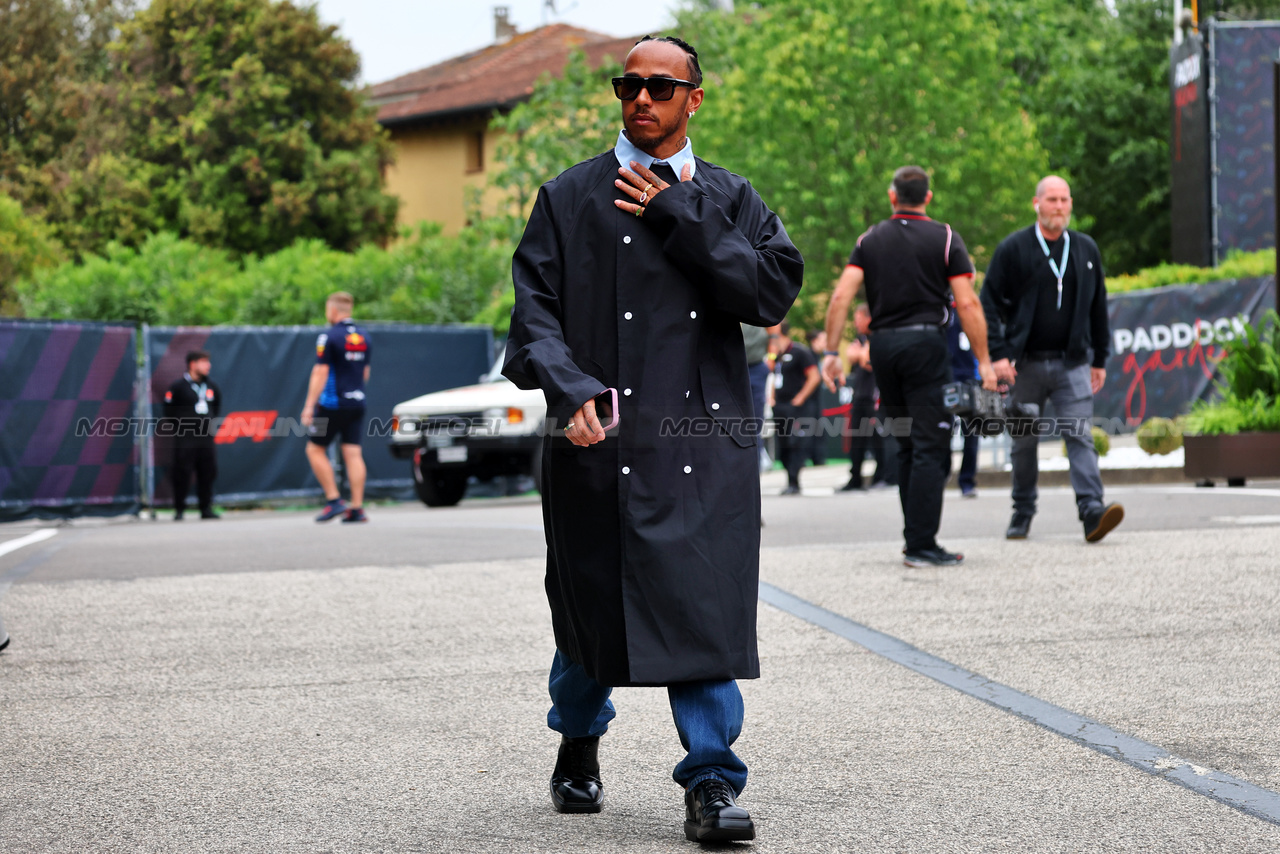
point(626, 152)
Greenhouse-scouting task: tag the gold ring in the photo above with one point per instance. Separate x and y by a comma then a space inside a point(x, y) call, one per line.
point(644, 197)
point(568, 427)
point(647, 188)
point(640, 210)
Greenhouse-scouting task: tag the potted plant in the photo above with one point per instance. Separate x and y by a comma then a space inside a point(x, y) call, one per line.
point(1238, 436)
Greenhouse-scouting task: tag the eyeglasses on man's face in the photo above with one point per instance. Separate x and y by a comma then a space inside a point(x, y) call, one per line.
point(660, 88)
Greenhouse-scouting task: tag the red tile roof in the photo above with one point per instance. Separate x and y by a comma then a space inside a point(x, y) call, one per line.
point(493, 77)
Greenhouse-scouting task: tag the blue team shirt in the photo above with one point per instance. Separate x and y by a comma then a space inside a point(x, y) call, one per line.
point(345, 349)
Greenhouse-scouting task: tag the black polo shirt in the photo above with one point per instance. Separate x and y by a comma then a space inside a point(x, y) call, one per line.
point(791, 370)
point(907, 262)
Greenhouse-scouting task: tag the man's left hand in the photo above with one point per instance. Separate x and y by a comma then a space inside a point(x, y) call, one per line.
point(1097, 376)
point(642, 185)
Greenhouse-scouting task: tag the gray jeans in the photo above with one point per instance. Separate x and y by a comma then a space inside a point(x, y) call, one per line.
point(1069, 389)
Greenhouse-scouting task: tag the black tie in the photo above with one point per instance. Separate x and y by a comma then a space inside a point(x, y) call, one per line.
point(665, 172)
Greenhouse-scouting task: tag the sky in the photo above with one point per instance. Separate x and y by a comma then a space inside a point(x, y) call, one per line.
point(394, 37)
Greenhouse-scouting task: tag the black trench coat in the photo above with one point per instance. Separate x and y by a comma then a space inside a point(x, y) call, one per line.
point(653, 535)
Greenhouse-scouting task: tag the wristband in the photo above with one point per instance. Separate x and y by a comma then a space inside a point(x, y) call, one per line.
point(831, 353)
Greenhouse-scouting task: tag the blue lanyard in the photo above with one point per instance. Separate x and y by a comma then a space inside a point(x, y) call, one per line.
point(1066, 248)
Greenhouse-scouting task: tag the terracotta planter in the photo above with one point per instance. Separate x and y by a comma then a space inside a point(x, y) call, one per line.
point(1232, 456)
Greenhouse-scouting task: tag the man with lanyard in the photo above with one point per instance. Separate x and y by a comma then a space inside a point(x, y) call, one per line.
point(632, 277)
point(795, 410)
point(337, 384)
point(911, 266)
point(1045, 299)
point(192, 402)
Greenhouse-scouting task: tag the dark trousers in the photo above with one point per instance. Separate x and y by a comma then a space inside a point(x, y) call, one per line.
point(911, 368)
point(967, 479)
point(794, 430)
point(202, 463)
point(1068, 387)
point(862, 414)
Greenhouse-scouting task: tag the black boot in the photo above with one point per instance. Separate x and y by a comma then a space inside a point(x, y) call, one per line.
point(1019, 525)
point(575, 784)
point(1099, 521)
point(712, 815)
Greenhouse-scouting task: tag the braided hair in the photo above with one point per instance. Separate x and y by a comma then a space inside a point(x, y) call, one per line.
point(695, 70)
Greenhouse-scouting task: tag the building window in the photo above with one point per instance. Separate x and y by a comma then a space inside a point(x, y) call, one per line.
point(475, 151)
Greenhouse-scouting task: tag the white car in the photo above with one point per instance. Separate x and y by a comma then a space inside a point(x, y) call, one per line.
point(483, 430)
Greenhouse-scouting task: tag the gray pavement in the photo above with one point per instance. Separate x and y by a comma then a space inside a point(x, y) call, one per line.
point(262, 683)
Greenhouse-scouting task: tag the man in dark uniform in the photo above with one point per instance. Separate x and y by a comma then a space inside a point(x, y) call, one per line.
point(1045, 298)
point(911, 266)
point(192, 402)
point(635, 270)
point(337, 384)
point(795, 406)
point(964, 368)
point(865, 435)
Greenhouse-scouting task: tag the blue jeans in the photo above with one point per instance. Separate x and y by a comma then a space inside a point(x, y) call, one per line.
point(708, 718)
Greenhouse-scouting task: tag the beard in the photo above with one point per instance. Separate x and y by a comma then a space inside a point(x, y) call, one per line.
point(653, 137)
point(1055, 222)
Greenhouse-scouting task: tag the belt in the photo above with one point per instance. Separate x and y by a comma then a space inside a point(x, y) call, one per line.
point(911, 327)
point(1044, 355)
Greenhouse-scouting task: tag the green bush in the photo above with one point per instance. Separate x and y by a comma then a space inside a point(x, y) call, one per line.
point(1160, 436)
point(1238, 265)
point(426, 277)
point(1101, 441)
point(1250, 370)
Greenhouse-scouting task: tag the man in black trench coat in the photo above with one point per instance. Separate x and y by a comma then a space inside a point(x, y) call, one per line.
point(632, 279)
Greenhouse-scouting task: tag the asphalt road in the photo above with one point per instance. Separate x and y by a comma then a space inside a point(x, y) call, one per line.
point(263, 683)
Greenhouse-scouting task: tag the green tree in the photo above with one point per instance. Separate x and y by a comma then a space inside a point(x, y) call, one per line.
point(1097, 83)
point(818, 101)
point(235, 123)
point(25, 247)
point(569, 118)
point(52, 53)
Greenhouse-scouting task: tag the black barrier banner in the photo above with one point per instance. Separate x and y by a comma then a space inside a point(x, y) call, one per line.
point(56, 377)
point(1165, 343)
point(1244, 55)
point(263, 374)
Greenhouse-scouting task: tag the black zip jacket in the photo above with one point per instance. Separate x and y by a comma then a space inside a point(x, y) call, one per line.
point(1009, 298)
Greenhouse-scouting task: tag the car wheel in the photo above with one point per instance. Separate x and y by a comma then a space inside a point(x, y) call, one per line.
point(439, 488)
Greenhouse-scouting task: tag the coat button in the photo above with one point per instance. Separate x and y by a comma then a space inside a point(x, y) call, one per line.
point(627, 315)
point(715, 406)
point(627, 392)
point(693, 314)
point(626, 469)
point(688, 469)
point(627, 239)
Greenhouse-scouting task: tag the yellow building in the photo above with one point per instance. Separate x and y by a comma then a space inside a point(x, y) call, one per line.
point(438, 116)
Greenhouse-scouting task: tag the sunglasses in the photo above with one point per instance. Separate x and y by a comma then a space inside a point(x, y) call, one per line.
point(660, 88)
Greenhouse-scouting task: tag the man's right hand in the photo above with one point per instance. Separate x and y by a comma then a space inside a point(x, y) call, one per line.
point(584, 427)
point(832, 372)
point(1005, 371)
point(989, 379)
point(308, 415)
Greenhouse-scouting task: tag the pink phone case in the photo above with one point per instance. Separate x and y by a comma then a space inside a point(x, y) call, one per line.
point(613, 408)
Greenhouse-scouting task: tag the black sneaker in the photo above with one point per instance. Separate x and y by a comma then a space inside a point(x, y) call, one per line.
point(936, 556)
point(355, 514)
